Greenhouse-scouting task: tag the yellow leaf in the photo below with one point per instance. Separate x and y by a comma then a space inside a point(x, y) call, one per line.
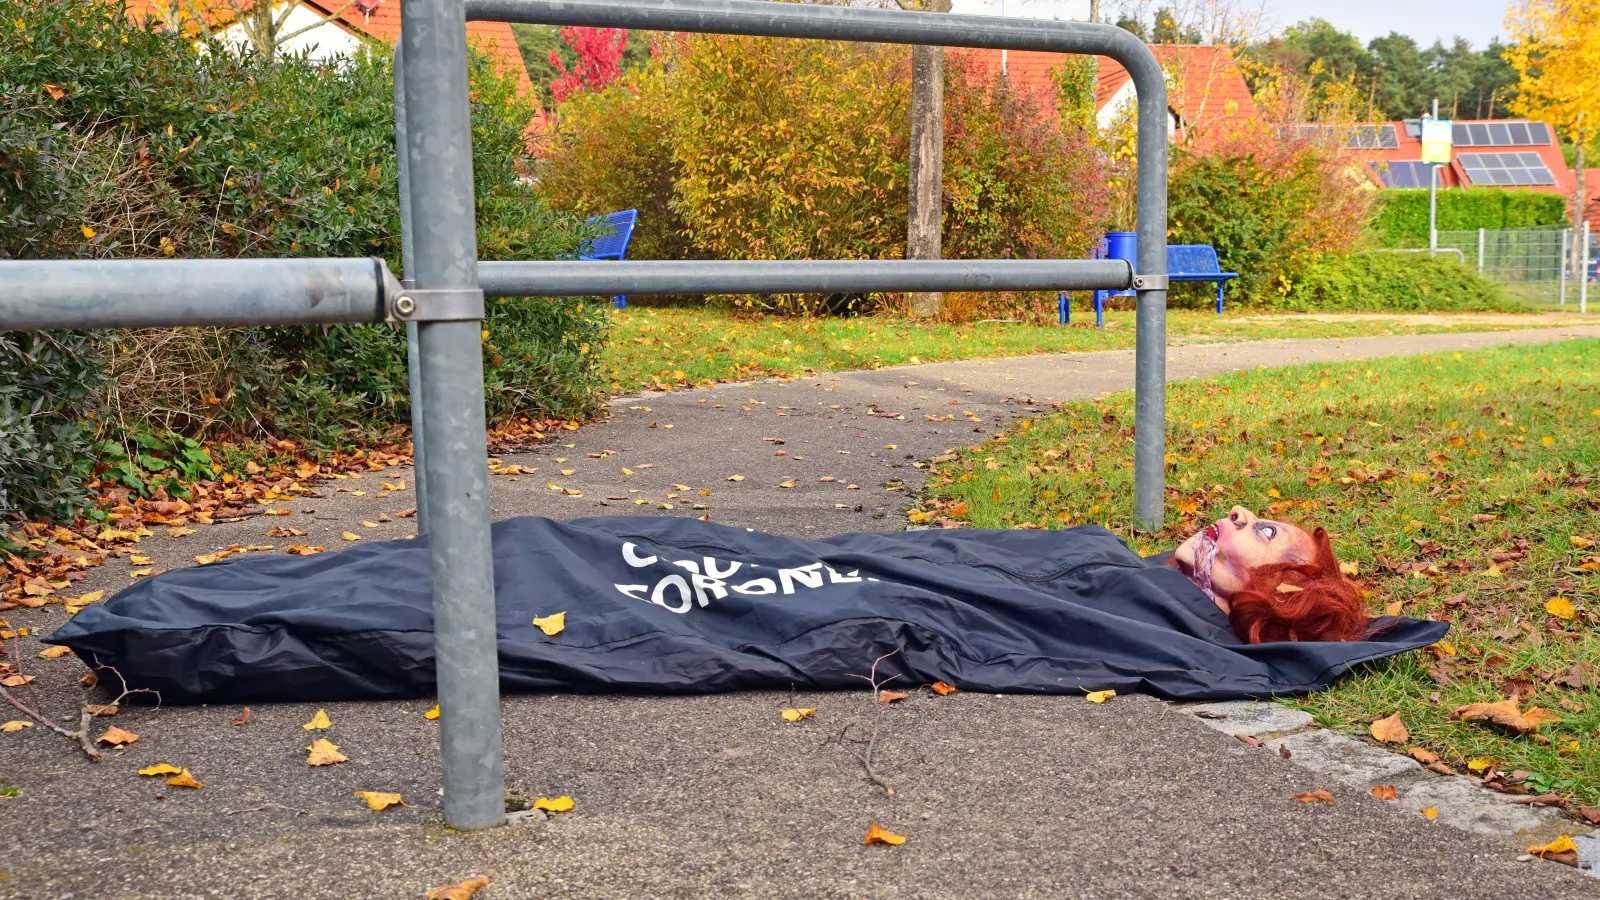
point(88, 233)
point(1479, 765)
point(462, 890)
point(160, 769)
point(91, 597)
point(351, 536)
point(1390, 730)
point(180, 532)
point(796, 715)
point(1350, 568)
point(369, 524)
point(109, 709)
point(138, 560)
point(1562, 844)
point(1099, 696)
point(627, 471)
point(891, 446)
point(1560, 607)
point(1431, 812)
point(551, 625)
point(379, 799)
point(1393, 609)
point(681, 487)
point(15, 725)
point(787, 484)
point(735, 477)
point(138, 573)
point(432, 713)
point(116, 736)
point(324, 752)
point(319, 721)
point(877, 834)
point(184, 779)
point(1582, 543)
point(54, 652)
point(558, 804)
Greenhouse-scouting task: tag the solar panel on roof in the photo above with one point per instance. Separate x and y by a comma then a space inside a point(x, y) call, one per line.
point(1500, 134)
point(1403, 173)
point(1519, 133)
point(1479, 135)
point(1511, 169)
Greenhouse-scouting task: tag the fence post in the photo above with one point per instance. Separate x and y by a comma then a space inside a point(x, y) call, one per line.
point(1480, 251)
point(1583, 271)
point(439, 151)
point(408, 263)
point(1561, 292)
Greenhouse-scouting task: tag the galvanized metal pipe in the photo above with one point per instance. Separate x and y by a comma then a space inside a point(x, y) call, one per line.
point(408, 264)
point(801, 20)
point(163, 293)
point(439, 157)
point(641, 278)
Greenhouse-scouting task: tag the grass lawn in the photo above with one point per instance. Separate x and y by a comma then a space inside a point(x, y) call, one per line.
point(1466, 487)
point(665, 348)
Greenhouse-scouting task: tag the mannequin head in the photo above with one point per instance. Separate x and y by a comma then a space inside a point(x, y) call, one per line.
point(1275, 580)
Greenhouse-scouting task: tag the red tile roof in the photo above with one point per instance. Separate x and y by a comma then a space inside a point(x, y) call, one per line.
point(383, 23)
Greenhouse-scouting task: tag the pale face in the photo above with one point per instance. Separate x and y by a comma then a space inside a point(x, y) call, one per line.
point(1220, 556)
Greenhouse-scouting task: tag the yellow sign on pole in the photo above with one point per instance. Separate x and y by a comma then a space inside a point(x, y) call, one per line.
point(1436, 141)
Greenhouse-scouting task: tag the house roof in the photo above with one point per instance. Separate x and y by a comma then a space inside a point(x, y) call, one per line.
point(382, 22)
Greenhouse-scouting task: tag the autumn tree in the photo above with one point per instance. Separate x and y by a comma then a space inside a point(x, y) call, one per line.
point(1556, 53)
point(599, 60)
point(925, 215)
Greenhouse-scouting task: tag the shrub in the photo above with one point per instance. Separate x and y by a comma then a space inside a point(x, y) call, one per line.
point(47, 392)
point(1402, 215)
point(1393, 282)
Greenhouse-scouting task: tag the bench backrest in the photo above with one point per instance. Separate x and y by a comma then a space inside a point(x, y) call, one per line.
point(1192, 259)
point(615, 244)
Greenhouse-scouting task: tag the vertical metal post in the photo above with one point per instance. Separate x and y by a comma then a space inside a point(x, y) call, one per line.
point(1561, 292)
point(408, 264)
point(1583, 270)
point(1480, 250)
point(439, 151)
point(1150, 335)
point(1433, 199)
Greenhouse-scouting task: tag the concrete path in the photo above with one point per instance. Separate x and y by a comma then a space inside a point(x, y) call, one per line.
point(710, 796)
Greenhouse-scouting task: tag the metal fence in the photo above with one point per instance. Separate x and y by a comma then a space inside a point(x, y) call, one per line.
point(441, 301)
point(1535, 265)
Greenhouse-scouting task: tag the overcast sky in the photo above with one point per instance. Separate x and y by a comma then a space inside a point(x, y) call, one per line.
point(1426, 20)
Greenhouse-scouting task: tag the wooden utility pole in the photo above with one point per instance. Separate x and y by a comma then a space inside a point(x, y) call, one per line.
point(925, 219)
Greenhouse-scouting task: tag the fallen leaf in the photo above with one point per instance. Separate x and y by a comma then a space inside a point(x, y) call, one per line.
point(379, 799)
point(890, 696)
point(461, 890)
point(57, 93)
point(319, 721)
point(184, 779)
point(1390, 730)
point(943, 689)
point(1316, 796)
point(1425, 757)
point(351, 536)
point(303, 550)
point(243, 717)
point(138, 560)
point(877, 834)
point(787, 484)
point(15, 680)
point(797, 715)
point(432, 713)
point(323, 752)
point(1252, 741)
point(1562, 844)
point(160, 769)
point(179, 532)
point(116, 737)
point(557, 804)
point(1393, 609)
point(1431, 812)
point(139, 573)
point(54, 652)
point(15, 725)
point(551, 625)
point(1542, 800)
point(1480, 765)
point(569, 471)
point(1560, 607)
point(1350, 567)
point(1506, 715)
point(1099, 696)
point(1580, 542)
point(369, 524)
point(735, 477)
point(91, 597)
point(107, 709)
point(1384, 792)
point(1590, 814)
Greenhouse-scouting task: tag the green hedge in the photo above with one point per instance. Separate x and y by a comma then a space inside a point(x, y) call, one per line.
point(1402, 215)
point(1393, 282)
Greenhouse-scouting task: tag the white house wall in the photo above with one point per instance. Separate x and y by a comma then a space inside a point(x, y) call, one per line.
point(325, 41)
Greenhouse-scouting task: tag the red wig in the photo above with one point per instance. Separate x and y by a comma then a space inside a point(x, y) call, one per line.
point(1300, 601)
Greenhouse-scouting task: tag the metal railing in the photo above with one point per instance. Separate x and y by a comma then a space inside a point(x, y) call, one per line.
point(441, 301)
point(1536, 265)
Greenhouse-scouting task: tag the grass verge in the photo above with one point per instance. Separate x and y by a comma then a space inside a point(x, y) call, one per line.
point(1465, 486)
point(661, 349)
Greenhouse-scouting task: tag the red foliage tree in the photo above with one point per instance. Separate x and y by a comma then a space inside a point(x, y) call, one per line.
point(599, 60)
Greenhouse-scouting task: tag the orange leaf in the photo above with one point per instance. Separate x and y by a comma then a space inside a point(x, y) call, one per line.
point(890, 696)
point(1316, 796)
point(1384, 792)
point(55, 93)
point(1390, 730)
point(1426, 757)
point(323, 752)
point(55, 652)
point(877, 834)
point(106, 709)
point(117, 736)
point(184, 779)
point(1505, 715)
point(379, 800)
point(943, 689)
point(243, 717)
point(1431, 812)
point(461, 890)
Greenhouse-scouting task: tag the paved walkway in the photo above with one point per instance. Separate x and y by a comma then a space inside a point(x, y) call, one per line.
point(702, 796)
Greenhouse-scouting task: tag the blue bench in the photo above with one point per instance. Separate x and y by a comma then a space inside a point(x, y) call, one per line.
point(1185, 262)
point(613, 245)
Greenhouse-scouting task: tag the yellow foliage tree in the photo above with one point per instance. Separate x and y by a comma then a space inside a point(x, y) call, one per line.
point(1556, 52)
